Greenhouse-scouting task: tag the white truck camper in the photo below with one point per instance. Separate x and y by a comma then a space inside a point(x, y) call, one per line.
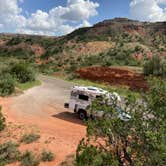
point(81, 97)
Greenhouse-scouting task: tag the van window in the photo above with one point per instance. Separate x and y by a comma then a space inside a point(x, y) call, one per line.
point(83, 97)
point(98, 97)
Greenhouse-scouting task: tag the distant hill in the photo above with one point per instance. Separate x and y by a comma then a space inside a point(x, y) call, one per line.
point(119, 41)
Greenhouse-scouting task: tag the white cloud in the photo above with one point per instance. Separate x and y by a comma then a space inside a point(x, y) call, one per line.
point(57, 21)
point(80, 10)
point(148, 10)
point(161, 1)
point(38, 21)
point(85, 24)
point(1, 26)
point(10, 14)
point(9, 7)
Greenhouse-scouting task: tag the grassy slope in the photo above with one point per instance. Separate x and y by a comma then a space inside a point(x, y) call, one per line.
point(28, 85)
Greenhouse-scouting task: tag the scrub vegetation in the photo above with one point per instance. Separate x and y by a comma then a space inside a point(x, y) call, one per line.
point(138, 141)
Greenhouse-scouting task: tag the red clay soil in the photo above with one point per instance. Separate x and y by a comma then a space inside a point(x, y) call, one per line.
point(114, 76)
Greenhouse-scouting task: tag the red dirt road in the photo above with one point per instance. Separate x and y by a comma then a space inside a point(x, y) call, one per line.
point(114, 76)
point(42, 108)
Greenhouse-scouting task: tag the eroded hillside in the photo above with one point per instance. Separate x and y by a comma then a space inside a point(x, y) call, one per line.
point(112, 42)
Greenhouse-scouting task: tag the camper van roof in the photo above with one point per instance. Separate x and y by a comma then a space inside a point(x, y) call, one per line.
point(89, 89)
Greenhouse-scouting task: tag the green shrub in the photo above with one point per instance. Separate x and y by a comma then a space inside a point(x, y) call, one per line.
point(93, 156)
point(22, 73)
point(14, 41)
point(2, 121)
point(29, 138)
point(29, 159)
point(7, 85)
point(154, 67)
point(72, 76)
point(138, 48)
point(18, 53)
point(8, 153)
point(140, 140)
point(47, 156)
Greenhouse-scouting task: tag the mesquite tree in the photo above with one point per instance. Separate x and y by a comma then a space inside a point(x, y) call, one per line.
point(138, 141)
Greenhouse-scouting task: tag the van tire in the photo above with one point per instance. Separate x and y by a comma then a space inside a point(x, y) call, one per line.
point(82, 114)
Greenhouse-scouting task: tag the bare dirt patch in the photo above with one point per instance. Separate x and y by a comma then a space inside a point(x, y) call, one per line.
point(114, 76)
point(38, 50)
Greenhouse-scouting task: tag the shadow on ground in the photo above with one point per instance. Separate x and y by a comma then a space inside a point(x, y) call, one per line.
point(70, 117)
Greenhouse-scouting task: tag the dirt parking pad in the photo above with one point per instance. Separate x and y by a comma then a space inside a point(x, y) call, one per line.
point(41, 110)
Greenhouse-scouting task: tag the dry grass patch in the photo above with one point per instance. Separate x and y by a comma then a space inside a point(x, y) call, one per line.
point(29, 138)
point(28, 158)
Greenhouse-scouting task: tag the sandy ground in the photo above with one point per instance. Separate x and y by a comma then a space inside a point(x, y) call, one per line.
point(41, 109)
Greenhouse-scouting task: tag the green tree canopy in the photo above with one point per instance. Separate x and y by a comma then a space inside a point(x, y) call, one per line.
point(138, 141)
point(154, 67)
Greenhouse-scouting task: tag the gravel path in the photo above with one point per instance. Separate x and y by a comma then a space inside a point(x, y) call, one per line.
point(52, 92)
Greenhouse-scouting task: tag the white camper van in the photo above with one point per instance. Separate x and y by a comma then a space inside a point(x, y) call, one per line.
point(81, 97)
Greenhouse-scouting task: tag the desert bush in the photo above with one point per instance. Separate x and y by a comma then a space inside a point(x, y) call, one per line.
point(9, 153)
point(48, 68)
point(29, 138)
point(93, 156)
point(14, 41)
point(29, 159)
point(2, 121)
point(47, 156)
point(7, 85)
point(154, 67)
point(71, 68)
point(137, 141)
point(72, 76)
point(21, 53)
point(138, 48)
point(18, 53)
point(22, 73)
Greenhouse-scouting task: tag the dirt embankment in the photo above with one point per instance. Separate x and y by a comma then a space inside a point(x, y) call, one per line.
point(114, 76)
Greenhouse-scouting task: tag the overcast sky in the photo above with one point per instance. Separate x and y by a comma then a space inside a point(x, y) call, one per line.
point(59, 17)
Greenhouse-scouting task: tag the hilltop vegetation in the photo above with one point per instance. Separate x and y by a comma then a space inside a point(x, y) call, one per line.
point(111, 42)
